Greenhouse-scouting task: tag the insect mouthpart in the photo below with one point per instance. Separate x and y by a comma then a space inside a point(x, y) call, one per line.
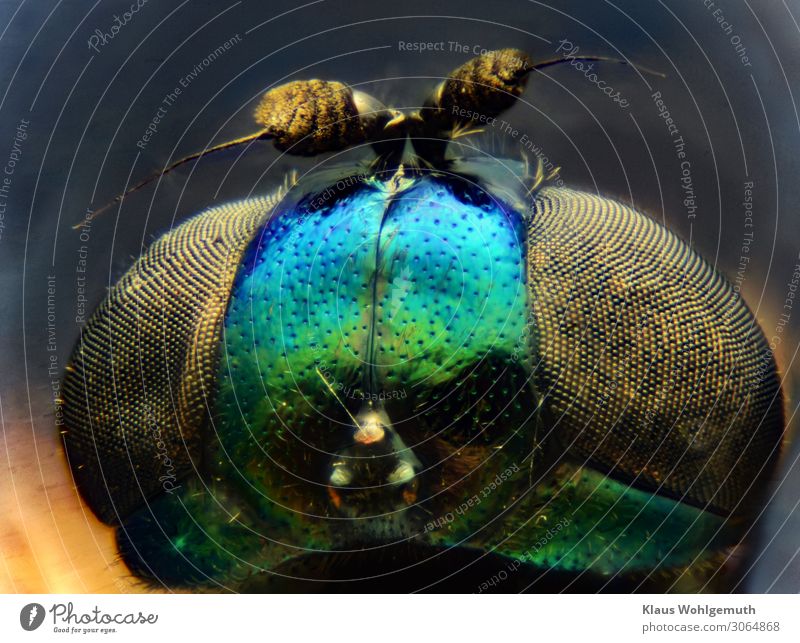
point(376, 473)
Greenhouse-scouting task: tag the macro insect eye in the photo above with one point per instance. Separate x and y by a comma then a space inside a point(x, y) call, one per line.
point(423, 349)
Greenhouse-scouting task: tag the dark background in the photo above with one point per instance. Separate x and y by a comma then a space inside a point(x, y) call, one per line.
point(87, 110)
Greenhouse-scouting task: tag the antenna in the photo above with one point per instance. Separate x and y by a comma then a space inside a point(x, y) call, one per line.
point(550, 62)
point(196, 155)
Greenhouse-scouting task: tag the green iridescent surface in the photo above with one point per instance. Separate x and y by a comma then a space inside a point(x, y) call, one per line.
point(405, 295)
point(578, 520)
point(380, 292)
point(437, 280)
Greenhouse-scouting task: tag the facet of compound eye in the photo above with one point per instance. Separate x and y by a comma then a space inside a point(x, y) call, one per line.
point(307, 117)
point(488, 84)
point(654, 365)
point(135, 394)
